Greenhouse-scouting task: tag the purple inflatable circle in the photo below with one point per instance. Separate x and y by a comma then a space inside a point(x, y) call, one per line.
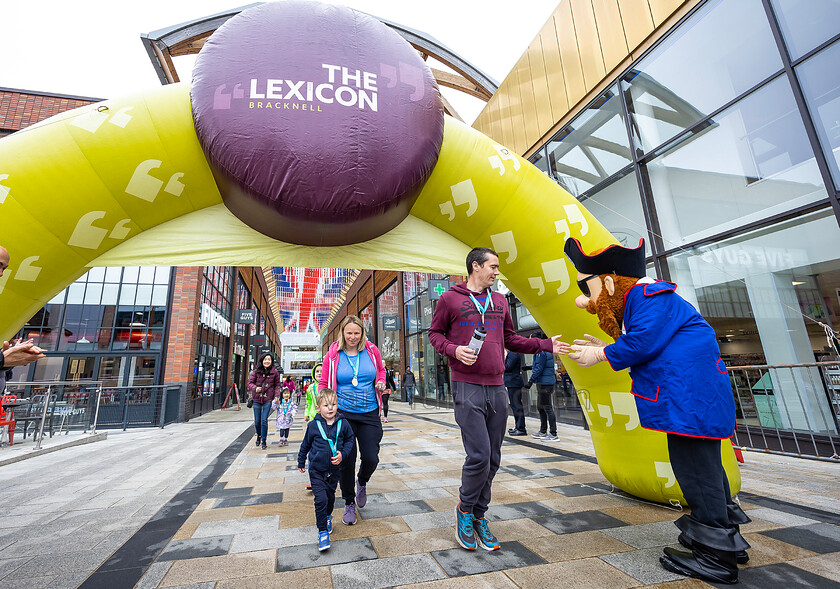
point(321, 123)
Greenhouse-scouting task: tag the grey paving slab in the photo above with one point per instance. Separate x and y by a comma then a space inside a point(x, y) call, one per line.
point(340, 552)
point(416, 495)
point(584, 521)
point(375, 510)
point(59, 564)
point(432, 483)
point(237, 526)
point(387, 572)
point(391, 465)
point(428, 521)
point(524, 473)
point(414, 470)
point(154, 575)
point(413, 454)
point(576, 490)
point(33, 546)
point(31, 583)
point(264, 540)
point(543, 459)
point(518, 511)
point(457, 562)
point(642, 565)
point(204, 585)
point(196, 548)
point(9, 565)
point(229, 492)
point(247, 500)
point(780, 517)
point(646, 535)
point(819, 538)
point(781, 575)
point(68, 580)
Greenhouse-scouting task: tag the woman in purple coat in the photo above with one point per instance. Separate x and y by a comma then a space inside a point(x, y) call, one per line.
point(264, 386)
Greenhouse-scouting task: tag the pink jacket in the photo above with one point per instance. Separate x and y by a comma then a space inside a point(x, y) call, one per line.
point(328, 371)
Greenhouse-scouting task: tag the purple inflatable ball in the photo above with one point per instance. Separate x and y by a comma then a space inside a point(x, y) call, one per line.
point(321, 123)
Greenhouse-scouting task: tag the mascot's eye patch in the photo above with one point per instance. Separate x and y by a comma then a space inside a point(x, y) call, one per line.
point(584, 287)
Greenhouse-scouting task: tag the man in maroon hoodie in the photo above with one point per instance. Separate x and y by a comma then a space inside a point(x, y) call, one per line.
point(478, 383)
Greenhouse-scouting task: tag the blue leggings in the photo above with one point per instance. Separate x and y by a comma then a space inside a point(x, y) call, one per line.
point(261, 413)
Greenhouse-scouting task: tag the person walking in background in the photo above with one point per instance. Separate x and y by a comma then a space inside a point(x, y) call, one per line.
point(326, 442)
point(409, 383)
point(286, 411)
point(386, 395)
point(264, 384)
point(353, 368)
point(542, 373)
point(463, 313)
point(289, 383)
point(514, 384)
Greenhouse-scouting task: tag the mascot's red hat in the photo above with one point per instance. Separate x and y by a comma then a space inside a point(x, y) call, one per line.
point(613, 259)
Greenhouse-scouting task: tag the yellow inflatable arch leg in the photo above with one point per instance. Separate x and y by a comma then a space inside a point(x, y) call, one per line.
point(125, 182)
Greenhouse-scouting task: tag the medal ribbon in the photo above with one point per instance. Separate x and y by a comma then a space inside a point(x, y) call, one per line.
point(333, 445)
point(355, 368)
point(481, 309)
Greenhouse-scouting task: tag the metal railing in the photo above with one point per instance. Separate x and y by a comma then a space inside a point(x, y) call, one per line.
point(86, 405)
point(788, 408)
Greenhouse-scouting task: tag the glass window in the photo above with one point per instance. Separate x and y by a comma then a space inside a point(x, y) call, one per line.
point(388, 326)
point(618, 207)
point(752, 161)
point(763, 293)
point(539, 160)
point(48, 368)
point(720, 52)
point(820, 79)
point(807, 23)
point(366, 315)
point(593, 147)
point(113, 274)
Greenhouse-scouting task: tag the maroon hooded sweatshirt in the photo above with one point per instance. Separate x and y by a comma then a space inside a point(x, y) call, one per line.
point(455, 320)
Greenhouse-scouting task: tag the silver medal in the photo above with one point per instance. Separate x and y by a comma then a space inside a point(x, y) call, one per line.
point(355, 381)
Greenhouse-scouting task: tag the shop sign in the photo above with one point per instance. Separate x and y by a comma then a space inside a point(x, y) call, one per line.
point(437, 288)
point(390, 323)
point(245, 316)
point(239, 349)
point(214, 320)
point(258, 340)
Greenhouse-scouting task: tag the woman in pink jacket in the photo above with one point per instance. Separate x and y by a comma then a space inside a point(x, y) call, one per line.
point(353, 368)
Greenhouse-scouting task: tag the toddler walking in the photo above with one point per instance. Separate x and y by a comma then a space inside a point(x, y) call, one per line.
point(286, 411)
point(327, 440)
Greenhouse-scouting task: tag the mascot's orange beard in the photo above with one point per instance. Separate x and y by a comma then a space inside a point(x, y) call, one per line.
point(610, 309)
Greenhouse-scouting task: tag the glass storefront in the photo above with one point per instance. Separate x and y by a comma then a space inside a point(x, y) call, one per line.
point(704, 148)
point(213, 340)
point(388, 326)
point(431, 370)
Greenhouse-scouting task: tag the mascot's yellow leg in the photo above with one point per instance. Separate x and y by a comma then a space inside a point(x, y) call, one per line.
point(76, 185)
point(484, 195)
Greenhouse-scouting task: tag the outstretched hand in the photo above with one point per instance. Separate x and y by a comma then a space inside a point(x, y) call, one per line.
point(591, 340)
point(587, 355)
point(558, 346)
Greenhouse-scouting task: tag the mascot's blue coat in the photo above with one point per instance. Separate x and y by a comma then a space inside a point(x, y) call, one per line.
point(680, 383)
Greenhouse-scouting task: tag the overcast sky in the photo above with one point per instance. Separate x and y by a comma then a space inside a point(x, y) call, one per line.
point(89, 48)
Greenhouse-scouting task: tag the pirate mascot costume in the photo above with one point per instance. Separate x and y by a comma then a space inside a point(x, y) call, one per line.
point(681, 387)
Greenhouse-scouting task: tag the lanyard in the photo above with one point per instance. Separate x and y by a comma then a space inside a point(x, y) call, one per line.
point(355, 368)
point(481, 309)
point(333, 445)
point(285, 406)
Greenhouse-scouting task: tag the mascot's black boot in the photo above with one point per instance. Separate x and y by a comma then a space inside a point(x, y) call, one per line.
point(708, 564)
point(741, 557)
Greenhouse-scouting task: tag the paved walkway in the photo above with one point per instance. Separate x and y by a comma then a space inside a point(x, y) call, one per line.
point(225, 514)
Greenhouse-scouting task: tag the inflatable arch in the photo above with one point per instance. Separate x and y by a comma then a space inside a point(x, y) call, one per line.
point(128, 182)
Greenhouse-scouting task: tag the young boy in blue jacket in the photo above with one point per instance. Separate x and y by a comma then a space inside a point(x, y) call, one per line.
point(327, 440)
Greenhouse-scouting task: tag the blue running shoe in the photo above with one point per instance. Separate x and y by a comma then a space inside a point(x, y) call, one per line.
point(464, 528)
point(485, 537)
point(323, 540)
point(329, 524)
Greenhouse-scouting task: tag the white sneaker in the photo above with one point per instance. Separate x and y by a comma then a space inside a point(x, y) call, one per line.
point(538, 435)
point(549, 438)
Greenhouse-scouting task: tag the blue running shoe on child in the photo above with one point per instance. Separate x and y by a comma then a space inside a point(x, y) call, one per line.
point(464, 528)
point(329, 524)
point(323, 540)
point(485, 537)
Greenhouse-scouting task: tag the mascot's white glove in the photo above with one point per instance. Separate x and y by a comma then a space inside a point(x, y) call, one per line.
point(588, 352)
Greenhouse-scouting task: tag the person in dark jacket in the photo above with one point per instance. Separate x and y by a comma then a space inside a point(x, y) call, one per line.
point(409, 384)
point(542, 374)
point(514, 384)
point(681, 387)
point(328, 439)
point(264, 386)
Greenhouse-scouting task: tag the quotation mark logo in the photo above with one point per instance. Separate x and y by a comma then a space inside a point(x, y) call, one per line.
point(89, 236)
point(94, 118)
point(503, 154)
point(463, 193)
point(222, 99)
point(4, 190)
point(145, 186)
point(408, 74)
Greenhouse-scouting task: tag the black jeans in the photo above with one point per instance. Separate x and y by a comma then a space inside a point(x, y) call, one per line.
point(546, 409)
point(323, 487)
point(367, 430)
point(385, 397)
point(515, 398)
point(481, 413)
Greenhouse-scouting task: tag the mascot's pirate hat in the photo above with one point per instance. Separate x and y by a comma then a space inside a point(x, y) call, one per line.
point(613, 259)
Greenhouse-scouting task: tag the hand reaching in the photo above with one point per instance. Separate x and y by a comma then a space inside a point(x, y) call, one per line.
point(587, 355)
point(591, 340)
point(559, 347)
